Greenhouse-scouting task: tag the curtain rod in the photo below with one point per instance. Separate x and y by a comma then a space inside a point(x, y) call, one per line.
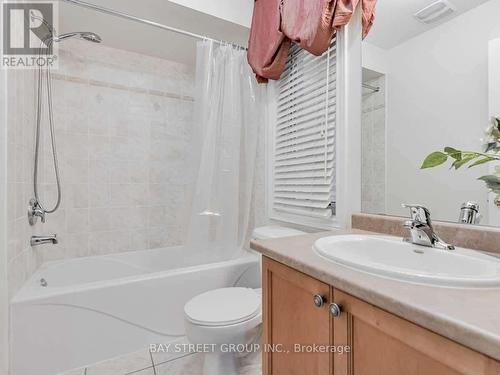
point(370, 87)
point(146, 22)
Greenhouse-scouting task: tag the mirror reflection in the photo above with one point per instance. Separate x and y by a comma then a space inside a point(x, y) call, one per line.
point(431, 109)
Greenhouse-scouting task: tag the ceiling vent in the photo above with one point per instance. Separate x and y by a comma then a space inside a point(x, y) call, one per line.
point(435, 12)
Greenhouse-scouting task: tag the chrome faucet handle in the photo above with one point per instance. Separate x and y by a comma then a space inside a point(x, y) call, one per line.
point(421, 230)
point(419, 213)
point(35, 211)
point(469, 213)
point(409, 224)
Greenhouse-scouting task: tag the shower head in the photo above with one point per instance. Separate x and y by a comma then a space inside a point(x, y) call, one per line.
point(91, 37)
point(85, 35)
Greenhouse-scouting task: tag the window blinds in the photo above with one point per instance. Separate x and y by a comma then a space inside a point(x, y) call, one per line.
point(304, 152)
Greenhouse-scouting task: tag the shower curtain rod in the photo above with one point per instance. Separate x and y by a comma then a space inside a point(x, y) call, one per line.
point(370, 87)
point(146, 22)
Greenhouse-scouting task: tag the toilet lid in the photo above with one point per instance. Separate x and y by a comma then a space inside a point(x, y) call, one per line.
point(223, 306)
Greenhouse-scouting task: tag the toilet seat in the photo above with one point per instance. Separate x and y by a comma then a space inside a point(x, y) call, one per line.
point(223, 307)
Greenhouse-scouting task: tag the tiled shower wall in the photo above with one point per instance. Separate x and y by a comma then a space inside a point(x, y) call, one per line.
point(373, 187)
point(123, 124)
point(21, 261)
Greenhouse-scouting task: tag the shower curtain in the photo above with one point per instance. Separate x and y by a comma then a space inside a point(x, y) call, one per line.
point(229, 115)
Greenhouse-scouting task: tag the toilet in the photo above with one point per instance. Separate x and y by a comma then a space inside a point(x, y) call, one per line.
point(224, 318)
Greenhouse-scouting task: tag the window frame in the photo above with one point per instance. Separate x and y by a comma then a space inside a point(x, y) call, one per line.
point(348, 139)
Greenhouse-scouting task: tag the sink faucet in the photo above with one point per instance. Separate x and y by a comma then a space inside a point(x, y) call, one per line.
point(421, 229)
point(40, 240)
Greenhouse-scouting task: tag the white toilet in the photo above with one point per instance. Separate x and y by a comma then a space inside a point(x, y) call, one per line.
point(228, 317)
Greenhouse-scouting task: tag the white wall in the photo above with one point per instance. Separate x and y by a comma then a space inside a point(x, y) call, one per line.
point(4, 306)
point(237, 11)
point(494, 106)
point(375, 58)
point(437, 95)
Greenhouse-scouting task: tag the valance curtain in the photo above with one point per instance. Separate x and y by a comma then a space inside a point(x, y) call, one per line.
point(309, 23)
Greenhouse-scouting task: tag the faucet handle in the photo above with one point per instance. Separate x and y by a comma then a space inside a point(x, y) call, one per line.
point(419, 213)
point(35, 211)
point(409, 224)
point(41, 213)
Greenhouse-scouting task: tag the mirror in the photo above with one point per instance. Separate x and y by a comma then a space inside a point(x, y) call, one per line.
point(431, 86)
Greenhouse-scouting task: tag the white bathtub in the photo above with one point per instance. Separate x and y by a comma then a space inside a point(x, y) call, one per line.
point(99, 307)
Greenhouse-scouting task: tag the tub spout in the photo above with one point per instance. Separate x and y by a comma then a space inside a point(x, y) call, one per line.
point(40, 240)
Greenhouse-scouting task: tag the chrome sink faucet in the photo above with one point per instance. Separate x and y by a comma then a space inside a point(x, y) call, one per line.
point(421, 229)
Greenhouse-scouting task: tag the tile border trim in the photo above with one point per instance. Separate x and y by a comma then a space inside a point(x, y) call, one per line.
point(139, 90)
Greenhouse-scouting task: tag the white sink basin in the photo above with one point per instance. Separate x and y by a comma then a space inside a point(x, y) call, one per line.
point(391, 257)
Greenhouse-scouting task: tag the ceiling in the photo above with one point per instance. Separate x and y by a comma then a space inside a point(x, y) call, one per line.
point(145, 39)
point(237, 11)
point(395, 23)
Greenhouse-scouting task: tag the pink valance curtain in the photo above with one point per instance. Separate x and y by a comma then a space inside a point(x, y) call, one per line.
point(309, 23)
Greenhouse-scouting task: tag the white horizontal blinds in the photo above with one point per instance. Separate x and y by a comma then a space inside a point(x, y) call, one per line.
point(304, 156)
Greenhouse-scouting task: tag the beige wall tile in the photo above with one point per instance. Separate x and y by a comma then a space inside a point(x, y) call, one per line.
point(124, 124)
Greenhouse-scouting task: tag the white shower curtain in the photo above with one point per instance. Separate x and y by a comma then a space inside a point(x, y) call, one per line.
point(230, 114)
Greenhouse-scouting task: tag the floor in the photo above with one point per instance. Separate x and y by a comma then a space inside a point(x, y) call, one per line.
point(144, 362)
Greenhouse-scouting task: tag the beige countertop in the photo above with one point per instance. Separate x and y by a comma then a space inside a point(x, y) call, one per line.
point(469, 316)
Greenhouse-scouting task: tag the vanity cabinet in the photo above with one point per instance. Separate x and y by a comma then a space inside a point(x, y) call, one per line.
point(292, 316)
point(299, 318)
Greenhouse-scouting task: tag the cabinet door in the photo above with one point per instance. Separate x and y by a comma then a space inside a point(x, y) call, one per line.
point(292, 318)
point(384, 344)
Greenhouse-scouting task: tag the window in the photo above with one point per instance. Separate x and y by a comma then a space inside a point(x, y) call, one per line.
point(303, 175)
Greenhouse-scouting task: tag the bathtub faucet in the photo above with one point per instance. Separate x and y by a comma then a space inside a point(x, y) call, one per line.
point(40, 240)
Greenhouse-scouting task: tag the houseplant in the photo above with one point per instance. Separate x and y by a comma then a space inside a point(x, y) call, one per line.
point(461, 158)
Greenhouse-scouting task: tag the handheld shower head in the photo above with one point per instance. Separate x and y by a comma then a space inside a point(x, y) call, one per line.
point(91, 37)
point(48, 40)
point(85, 35)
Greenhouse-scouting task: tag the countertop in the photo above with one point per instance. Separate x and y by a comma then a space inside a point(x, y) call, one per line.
point(469, 316)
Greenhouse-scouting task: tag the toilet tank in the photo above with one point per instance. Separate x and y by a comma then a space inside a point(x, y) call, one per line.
point(252, 277)
point(274, 231)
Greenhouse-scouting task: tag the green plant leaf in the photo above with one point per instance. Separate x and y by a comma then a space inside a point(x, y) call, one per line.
point(434, 159)
point(490, 178)
point(481, 161)
point(492, 146)
point(454, 153)
point(465, 159)
point(492, 181)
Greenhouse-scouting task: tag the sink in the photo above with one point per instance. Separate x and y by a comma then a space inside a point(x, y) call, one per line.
point(392, 257)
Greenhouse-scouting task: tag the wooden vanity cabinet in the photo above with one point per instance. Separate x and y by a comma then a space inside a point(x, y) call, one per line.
point(379, 342)
point(291, 317)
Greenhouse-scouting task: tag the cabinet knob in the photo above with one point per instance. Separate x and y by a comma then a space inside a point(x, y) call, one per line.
point(319, 300)
point(335, 309)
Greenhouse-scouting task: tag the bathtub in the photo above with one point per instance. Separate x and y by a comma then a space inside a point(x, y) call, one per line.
point(76, 312)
